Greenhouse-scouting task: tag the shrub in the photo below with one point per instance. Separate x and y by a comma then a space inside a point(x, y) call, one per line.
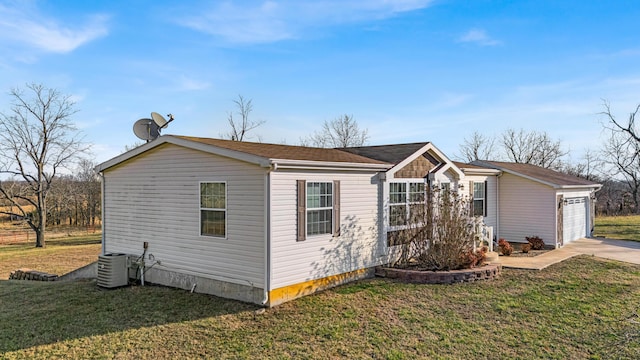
point(536, 242)
point(525, 248)
point(475, 258)
point(505, 248)
point(439, 234)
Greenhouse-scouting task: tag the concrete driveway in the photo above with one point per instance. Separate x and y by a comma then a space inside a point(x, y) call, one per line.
point(621, 250)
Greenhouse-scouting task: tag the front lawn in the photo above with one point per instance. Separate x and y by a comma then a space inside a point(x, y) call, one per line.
point(573, 310)
point(618, 227)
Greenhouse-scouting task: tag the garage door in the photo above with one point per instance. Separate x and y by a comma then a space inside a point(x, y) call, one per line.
point(574, 219)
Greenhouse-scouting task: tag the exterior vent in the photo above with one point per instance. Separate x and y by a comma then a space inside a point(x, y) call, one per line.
point(112, 270)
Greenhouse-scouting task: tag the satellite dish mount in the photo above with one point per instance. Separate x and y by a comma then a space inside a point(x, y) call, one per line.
point(149, 129)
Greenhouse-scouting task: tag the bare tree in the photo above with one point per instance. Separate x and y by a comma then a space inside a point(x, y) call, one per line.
point(478, 147)
point(622, 153)
point(37, 140)
point(589, 168)
point(338, 133)
point(88, 185)
point(532, 147)
point(240, 128)
point(630, 128)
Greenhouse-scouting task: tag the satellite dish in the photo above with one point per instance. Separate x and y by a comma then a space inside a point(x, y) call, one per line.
point(160, 120)
point(146, 129)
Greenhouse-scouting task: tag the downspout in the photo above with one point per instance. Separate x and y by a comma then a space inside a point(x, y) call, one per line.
point(267, 236)
point(103, 186)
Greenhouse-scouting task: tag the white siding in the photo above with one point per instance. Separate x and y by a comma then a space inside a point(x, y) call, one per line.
point(527, 208)
point(320, 256)
point(491, 196)
point(155, 198)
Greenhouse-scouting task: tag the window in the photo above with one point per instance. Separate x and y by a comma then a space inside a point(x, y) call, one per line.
point(479, 199)
point(397, 204)
point(213, 209)
point(406, 200)
point(318, 208)
point(445, 187)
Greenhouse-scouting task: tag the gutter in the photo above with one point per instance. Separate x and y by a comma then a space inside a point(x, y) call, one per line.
point(326, 165)
point(267, 234)
point(498, 205)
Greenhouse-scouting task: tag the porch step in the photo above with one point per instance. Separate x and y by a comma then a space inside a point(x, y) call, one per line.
point(492, 257)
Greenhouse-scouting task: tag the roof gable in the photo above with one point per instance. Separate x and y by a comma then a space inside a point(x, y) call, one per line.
point(536, 173)
point(401, 155)
point(393, 154)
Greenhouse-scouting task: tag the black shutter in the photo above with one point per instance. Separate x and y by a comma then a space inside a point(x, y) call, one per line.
point(486, 197)
point(336, 208)
point(471, 207)
point(302, 210)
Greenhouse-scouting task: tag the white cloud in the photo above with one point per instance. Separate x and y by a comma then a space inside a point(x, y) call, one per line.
point(272, 21)
point(478, 36)
point(188, 84)
point(24, 25)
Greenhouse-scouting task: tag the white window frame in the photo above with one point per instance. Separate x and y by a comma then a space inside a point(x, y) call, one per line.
point(322, 208)
point(483, 198)
point(226, 204)
point(407, 203)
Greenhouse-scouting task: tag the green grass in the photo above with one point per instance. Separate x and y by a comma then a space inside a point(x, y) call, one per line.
point(61, 255)
point(572, 310)
point(618, 227)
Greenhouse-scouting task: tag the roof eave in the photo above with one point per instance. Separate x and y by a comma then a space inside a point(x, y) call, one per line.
point(130, 154)
point(553, 185)
point(591, 186)
point(327, 165)
point(212, 149)
point(475, 171)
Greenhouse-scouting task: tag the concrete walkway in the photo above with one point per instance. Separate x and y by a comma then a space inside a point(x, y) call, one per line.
point(627, 251)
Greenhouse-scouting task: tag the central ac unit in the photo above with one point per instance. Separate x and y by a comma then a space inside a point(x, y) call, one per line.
point(112, 270)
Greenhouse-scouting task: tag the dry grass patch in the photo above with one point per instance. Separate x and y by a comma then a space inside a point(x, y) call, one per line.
point(61, 255)
point(572, 310)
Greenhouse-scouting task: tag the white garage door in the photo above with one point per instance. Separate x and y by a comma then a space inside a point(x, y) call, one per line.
point(574, 219)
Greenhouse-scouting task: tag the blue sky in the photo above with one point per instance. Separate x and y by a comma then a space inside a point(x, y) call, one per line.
point(412, 70)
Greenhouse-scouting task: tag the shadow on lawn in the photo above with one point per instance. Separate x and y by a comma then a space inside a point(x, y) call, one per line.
point(39, 313)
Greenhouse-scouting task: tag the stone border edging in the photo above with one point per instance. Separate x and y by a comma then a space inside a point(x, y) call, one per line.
point(28, 274)
point(486, 272)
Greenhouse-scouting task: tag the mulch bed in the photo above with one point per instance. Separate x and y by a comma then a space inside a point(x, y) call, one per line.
point(517, 252)
point(531, 253)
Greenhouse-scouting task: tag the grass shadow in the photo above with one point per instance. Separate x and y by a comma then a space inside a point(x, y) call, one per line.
point(40, 313)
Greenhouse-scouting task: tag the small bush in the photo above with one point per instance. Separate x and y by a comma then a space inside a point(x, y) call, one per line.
point(475, 258)
point(505, 248)
point(536, 242)
point(525, 248)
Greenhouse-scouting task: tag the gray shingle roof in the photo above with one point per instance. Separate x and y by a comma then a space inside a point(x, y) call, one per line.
point(289, 152)
point(392, 154)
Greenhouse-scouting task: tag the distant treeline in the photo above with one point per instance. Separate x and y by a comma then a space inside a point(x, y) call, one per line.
point(73, 200)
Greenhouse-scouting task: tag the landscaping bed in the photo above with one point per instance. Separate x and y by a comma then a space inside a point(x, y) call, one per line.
point(486, 272)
